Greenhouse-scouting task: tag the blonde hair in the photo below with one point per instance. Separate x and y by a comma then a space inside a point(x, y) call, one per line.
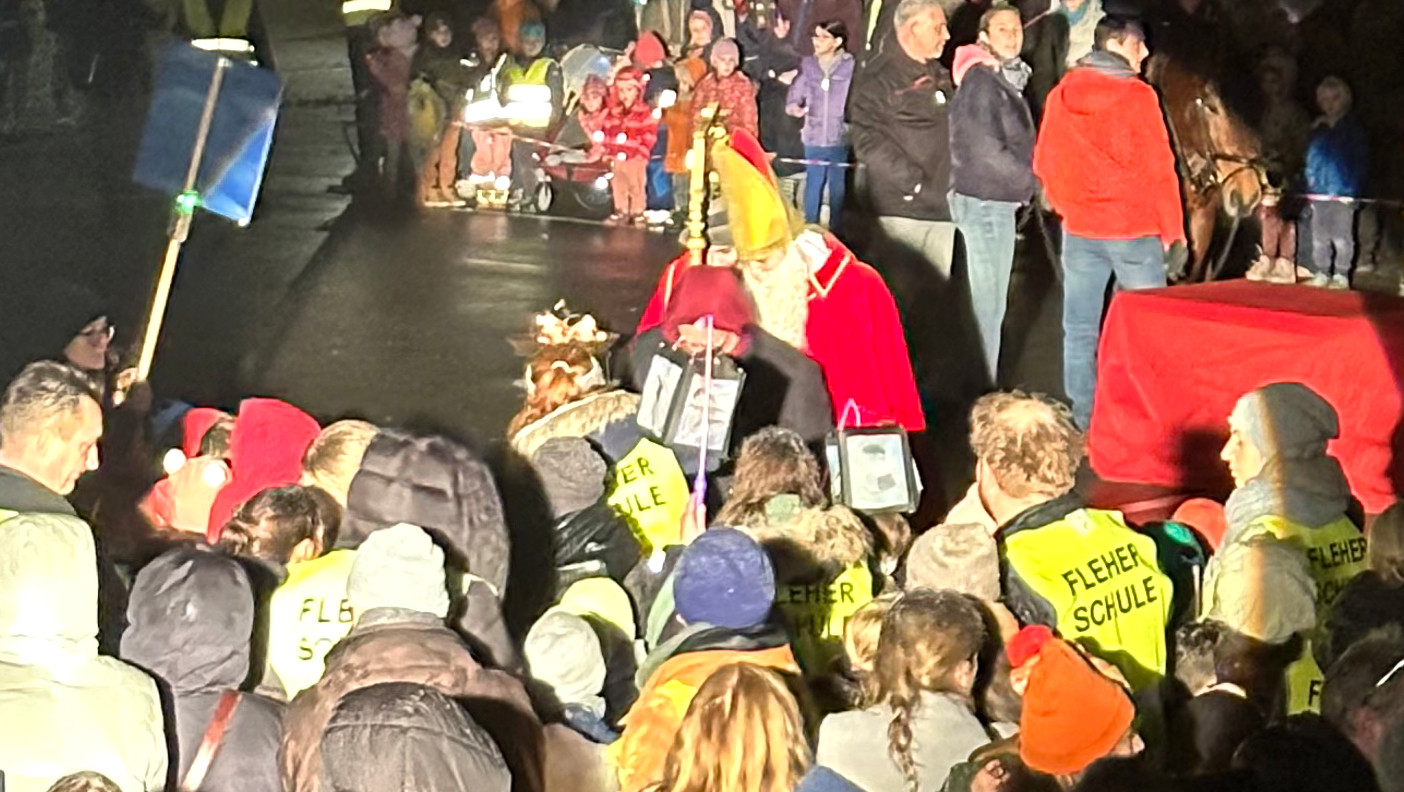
point(554, 375)
point(1028, 441)
point(926, 637)
point(773, 461)
point(742, 733)
point(860, 641)
point(333, 459)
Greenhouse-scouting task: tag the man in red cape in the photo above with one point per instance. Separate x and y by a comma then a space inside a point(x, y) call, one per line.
point(810, 291)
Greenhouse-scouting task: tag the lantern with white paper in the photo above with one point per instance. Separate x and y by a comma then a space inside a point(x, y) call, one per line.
point(680, 405)
point(871, 468)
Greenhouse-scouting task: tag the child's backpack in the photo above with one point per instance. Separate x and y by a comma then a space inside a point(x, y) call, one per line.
point(427, 114)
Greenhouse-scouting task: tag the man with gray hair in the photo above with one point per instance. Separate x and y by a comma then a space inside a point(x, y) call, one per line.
point(50, 424)
point(901, 134)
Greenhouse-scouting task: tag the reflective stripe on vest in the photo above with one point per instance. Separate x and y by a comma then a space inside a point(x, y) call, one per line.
point(528, 95)
point(1104, 585)
point(233, 21)
point(307, 615)
point(651, 490)
point(817, 614)
point(231, 46)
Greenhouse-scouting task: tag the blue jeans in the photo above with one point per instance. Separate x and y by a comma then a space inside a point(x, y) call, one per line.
point(816, 176)
point(658, 186)
point(1332, 237)
point(1088, 264)
point(988, 230)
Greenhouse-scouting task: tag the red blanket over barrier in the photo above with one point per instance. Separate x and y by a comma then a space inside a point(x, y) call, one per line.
point(1173, 362)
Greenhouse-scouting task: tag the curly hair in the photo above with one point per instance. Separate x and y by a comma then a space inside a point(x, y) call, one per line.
point(743, 732)
point(1028, 441)
point(926, 637)
point(773, 461)
point(553, 376)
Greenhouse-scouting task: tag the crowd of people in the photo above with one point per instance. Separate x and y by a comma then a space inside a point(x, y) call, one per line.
point(831, 90)
point(692, 563)
point(273, 604)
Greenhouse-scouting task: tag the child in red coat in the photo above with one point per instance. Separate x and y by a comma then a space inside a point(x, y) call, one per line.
point(630, 130)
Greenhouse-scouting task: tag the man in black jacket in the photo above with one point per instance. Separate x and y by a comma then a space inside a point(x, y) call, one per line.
point(899, 113)
point(992, 143)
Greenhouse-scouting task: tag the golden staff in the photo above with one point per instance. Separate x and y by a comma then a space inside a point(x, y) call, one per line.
point(710, 127)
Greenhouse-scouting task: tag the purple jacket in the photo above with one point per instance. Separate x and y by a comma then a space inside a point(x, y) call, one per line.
point(823, 100)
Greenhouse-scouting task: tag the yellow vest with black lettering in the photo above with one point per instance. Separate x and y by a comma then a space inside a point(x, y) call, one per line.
point(1336, 553)
point(651, 490)
point(817, 614)
point(1102, 584)
point(307, 615)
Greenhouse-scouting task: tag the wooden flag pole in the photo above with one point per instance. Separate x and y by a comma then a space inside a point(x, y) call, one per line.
point(180, 227)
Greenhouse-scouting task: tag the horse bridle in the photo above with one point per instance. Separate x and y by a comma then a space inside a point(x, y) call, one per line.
point(1205, 176)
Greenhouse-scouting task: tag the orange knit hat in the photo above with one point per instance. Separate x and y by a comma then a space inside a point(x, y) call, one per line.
point(1072, 715)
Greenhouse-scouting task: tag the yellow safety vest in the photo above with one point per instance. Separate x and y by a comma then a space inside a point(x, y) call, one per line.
point(527, 95)
point(817, 615)
point(1104, 586)
point(358, 12)
point(307, 615)
point(233, 22)
point(1336, 553)
point(651, 490)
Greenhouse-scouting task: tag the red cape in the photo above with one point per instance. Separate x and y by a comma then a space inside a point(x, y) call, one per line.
point(854, 332)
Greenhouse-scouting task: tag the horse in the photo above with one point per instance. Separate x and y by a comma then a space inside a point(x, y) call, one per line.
point(1220, 160)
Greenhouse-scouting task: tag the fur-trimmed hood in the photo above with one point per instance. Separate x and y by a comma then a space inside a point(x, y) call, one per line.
point(581, 418)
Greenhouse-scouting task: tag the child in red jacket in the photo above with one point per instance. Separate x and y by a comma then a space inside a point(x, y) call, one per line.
point(630, 130)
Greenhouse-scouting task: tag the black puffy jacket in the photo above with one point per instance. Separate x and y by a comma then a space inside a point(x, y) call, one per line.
point(446, 489)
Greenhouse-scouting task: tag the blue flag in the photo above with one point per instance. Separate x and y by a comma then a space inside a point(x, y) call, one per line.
point(241, 131)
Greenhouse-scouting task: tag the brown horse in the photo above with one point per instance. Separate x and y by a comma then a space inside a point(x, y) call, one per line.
point(1219, 156)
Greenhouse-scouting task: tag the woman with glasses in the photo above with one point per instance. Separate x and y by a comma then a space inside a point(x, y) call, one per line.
point(818, 95)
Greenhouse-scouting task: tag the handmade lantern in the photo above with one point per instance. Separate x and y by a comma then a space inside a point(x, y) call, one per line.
point(681, 404)
point(871, 468)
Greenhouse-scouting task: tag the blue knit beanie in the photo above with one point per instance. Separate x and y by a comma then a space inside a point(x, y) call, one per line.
point(724, 578)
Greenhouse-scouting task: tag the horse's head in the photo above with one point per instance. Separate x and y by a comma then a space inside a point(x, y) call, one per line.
point(1221, 154)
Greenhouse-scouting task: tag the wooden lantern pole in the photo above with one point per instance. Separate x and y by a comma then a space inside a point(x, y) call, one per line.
point(180, 226)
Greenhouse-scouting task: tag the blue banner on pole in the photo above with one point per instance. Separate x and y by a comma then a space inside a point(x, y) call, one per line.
point(241, 131)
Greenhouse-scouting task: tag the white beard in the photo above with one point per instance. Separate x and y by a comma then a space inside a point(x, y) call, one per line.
point(781, 295)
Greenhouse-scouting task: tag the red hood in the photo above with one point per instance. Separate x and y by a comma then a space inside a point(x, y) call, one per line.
point(971, 55)
point(1098, 85)
point(265, 449)
point(197, 423)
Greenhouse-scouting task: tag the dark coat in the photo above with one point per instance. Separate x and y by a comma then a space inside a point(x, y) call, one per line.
point(784, 387)
point(446, 489)
point(192, 618)
point(766, 58)
point(1045, 50)
point(408, 738)
point(1366, 603)
point(20, 493)
point(389, 645)
point(597, 534)
point(992, 139)
point(899, 116)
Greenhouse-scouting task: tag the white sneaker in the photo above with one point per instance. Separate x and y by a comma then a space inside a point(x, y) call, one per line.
point(1339, 281)
point(1283, 271)
point(1304, 274)
point(1320, 280)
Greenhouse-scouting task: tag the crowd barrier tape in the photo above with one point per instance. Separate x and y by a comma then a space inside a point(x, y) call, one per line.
point(1312, 197)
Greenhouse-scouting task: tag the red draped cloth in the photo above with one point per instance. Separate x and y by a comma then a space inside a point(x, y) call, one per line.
point(1173, 362)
